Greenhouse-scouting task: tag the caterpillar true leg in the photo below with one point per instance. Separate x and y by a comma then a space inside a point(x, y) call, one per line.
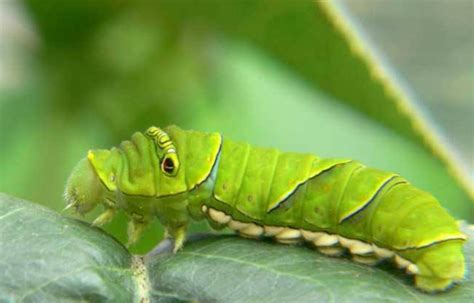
point(178, 234)
point(135, 230)
point(105, 217)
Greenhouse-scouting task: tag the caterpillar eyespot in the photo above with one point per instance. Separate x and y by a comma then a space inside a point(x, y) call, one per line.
point(335, 205)
point(168, 166)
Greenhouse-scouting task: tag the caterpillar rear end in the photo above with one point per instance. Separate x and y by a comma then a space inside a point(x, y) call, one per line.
point(336, 205)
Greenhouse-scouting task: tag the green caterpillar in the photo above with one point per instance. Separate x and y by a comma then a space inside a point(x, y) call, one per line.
point(335, 204)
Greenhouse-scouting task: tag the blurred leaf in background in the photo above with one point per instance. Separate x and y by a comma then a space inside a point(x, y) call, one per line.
point(286, 74)
point(440, 65)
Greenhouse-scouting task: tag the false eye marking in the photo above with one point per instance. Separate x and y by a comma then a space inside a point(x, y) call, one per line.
point(169, 161)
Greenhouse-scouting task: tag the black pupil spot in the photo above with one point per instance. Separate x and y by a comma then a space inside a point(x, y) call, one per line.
point(168, 165)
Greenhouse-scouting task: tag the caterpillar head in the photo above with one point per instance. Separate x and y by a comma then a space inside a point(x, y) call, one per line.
point(84, 190)
point(148, 175)
point(147, 166)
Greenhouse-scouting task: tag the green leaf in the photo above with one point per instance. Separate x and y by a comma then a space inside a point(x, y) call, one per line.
point(232, 269)
point(45, 257)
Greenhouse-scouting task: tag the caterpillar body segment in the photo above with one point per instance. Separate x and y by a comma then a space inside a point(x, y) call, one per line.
point(336, 205)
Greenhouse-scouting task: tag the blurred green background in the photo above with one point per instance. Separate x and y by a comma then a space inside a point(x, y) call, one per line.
point(287, 74)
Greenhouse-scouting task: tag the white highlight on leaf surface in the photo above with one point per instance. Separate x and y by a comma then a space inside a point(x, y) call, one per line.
point(10, 213)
